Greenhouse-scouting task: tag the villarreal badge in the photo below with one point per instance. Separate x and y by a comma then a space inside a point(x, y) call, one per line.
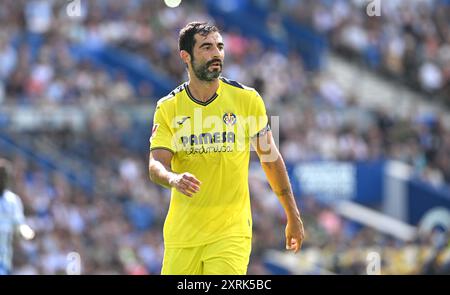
point(229, 119)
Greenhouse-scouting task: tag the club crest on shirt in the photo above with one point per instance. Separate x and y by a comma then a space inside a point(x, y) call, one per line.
point(229, 118)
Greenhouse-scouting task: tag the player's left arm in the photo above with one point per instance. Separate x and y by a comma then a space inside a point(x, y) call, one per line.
point(273, 165)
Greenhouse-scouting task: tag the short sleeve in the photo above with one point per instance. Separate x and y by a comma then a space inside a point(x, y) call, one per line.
point(258, 120)
point(162, 135)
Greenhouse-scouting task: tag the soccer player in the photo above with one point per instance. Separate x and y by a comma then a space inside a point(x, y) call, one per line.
point(12, 220)
point(200, 148)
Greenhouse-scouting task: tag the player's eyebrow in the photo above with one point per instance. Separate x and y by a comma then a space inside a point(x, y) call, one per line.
point(210, 44)
point(205, 44)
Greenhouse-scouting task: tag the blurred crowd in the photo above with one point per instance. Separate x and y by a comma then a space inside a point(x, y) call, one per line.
point(115, 233)
point(345, 247)
point(36, 63)
point(405, 40)
point(119, 230)
point(117, 227)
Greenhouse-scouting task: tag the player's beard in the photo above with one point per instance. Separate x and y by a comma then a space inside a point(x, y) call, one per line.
point(202, 71)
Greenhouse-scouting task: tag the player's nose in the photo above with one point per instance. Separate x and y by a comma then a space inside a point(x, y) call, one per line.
point(217, 53)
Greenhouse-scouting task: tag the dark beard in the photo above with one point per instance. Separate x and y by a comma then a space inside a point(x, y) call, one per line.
point(202, 73)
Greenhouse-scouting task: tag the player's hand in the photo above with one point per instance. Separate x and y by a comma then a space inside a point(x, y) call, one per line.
point(185, 183)
point(295, 234)
point(26, 232)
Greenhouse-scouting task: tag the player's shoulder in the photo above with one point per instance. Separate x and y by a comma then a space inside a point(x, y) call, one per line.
point(11, 197)
point(237, 85)
point(170, 98)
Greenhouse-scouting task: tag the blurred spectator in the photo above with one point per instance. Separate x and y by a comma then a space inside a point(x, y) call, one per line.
point(409, 41)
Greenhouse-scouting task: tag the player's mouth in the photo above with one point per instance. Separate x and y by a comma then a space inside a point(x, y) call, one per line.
point(216, 64)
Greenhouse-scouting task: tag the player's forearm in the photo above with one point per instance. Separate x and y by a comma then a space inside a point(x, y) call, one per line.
point(160, 174)
point(279, 182)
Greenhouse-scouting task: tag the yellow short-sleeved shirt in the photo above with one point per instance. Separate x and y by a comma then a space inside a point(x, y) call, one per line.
point(211, 141)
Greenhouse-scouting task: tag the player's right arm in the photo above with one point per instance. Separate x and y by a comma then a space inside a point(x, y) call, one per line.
point(162, 150)
point(161, 173)
point(23, 228)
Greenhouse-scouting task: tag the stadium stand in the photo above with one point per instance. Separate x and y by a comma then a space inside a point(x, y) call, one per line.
point(77, 98)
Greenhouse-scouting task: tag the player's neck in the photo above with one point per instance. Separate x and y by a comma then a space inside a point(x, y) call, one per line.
point(203, 90)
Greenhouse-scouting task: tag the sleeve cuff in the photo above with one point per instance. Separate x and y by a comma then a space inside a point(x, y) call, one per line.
point(262, 132)
point(162, 148)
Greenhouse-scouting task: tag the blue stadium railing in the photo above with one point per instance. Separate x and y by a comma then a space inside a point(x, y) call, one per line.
point(82, 180)
point(252, 21)
point(136, 67)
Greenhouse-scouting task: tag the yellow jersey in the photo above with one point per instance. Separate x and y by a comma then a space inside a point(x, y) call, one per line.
point(210, 140)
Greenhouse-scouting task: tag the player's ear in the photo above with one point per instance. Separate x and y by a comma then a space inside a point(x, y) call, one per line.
point(185, 56)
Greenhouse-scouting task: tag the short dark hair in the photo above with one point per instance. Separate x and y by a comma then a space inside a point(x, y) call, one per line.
point(5, 170)
point(186, 40)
